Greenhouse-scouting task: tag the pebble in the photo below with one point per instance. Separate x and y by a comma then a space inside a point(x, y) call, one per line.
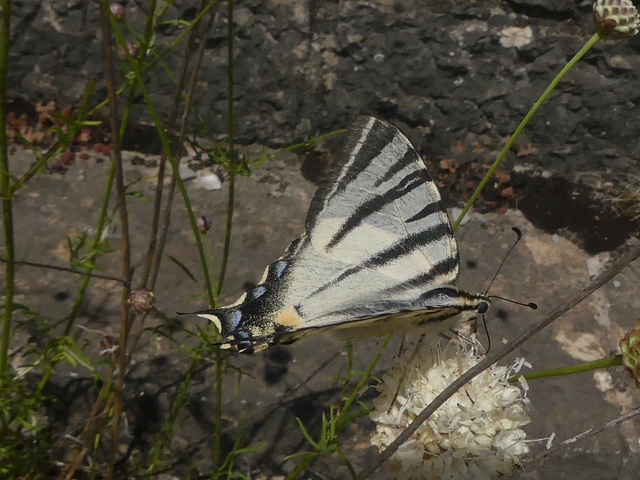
point(208, 181)
point(186, 173)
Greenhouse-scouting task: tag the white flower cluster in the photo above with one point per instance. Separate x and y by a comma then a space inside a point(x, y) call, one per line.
point(475, 435)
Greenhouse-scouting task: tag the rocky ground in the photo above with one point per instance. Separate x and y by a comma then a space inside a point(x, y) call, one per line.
point(270, 209)
point(456, 76)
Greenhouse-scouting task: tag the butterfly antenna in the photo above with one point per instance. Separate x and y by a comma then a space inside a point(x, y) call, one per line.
point(531, 305)
point(519, 237)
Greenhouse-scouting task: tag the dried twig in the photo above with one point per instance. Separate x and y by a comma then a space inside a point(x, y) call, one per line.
point(586, 434)
point(65, 269)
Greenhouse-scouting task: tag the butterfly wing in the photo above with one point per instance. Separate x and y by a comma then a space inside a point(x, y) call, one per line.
point(377, 248)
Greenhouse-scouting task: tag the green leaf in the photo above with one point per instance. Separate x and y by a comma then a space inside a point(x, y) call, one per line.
point(183, 267)
point(306, 434)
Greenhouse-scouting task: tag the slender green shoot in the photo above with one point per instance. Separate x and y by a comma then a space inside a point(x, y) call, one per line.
point(615, 361)
point(5, 190)
point(599, 35)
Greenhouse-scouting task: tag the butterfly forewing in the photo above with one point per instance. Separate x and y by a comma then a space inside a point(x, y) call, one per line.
point(377, 248)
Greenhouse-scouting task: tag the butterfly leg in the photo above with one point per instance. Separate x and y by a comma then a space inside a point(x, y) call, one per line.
point(411, 358)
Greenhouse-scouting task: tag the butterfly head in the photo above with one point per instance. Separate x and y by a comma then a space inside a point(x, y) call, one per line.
point(450, 301)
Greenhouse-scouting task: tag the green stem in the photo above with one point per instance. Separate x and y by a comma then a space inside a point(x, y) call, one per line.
point(61, 144)
point(599, 35)
point(304, 463)
point(227, 236)
point(363, 379)
point(170, 48)
point(217, 452)
point(608, 362)
point(137, 70)
point(231, 149)
point(125, 245)
point(93, 255)
point(5, 186)
point(159, 249)
point(85, 280)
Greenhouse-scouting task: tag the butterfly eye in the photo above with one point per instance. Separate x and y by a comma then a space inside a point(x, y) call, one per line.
point(483, 307)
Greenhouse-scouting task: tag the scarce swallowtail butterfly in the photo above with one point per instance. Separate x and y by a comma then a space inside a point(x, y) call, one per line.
point(378, 255)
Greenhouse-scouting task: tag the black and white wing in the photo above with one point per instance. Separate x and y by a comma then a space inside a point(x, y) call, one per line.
point(378, 253)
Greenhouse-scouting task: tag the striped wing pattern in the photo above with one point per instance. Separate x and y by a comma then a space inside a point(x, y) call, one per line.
point(378, 254)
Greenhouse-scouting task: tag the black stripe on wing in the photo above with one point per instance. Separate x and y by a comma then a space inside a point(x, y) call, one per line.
point(354, 158)
point(441, 269)
point(430, 209)
point(405, 246)
point(438, 303)
point(410, 157)
point(374, 205)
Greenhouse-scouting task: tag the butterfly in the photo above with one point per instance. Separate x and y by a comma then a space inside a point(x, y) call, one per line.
point(378, 255)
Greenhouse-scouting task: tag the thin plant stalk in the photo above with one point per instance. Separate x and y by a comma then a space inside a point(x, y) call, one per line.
point(343, 417)
point(174, 410)
point(183, 132)
point(124, 243)
point(137, 71)
point(176, 405)
point(87, 277)
point(5, 186)
point(149, 65)
point(97, 420)
point(230, 139)
point(614, 361)
point(227, 239)
point(60, 145)
point(597, 36)
point(157, 202)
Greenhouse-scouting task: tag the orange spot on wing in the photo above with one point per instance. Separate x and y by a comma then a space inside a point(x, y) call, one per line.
point(289, 318)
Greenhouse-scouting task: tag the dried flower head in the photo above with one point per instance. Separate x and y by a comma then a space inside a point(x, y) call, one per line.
point(618, 17)
point(475, 434)
point(141, 300)
point(630, 346)
point(108, 345)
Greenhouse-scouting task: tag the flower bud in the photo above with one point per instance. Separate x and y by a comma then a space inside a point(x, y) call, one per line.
point(117, 10)
point(132, 48)
point(141, 300)
point(617, 17)
point(203, 224)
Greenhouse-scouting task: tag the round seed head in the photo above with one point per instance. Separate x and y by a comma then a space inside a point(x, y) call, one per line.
point(617, 17)
point(630, 346)
point(141, 300)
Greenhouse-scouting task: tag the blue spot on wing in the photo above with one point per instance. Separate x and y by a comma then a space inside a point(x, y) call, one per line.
point(278, 269)
point(231, 319)
point(256, 292)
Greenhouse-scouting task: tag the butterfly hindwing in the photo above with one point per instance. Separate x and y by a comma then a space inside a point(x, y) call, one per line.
point(378, 252)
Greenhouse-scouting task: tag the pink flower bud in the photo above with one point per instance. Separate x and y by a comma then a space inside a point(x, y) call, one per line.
point(203, 224)
point(117, 10)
